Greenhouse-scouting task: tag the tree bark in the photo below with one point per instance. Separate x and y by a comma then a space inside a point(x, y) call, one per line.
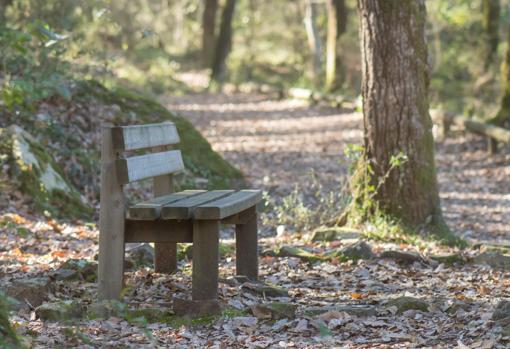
point(208, 33)
point(337, 18)
point(491, 13)
point(314, 40)
point(396, 110)
point(224, 43)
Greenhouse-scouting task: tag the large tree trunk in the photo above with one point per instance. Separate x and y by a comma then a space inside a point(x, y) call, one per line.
point(208, 33)
point(491, 12)
point(396, 109)
point(224, 43)
point(337, 18)
point(314, 40)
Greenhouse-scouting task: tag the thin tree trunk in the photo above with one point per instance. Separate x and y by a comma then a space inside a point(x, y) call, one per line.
point(491, 13)
point(396, 110)
point(208, 34)
point(224, 43)
point(314, 40)
point(337, 18)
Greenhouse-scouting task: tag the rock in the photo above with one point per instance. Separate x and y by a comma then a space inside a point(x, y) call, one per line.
point(37, 175)
point(354, 310)
point(291, 251)
point(405, 257)
point(356, 251)
point(264, 290)
point(60, 311)
point(448, 258)
point(87, 270)
point(405, 303)
point(502, 310)
point(141, 255)
point(336, 233)
point(66, 275)
point(151, 315)
point(185, 307)
point(493, 259)
point(274, 310)
point(106, 309)
point(30, 292)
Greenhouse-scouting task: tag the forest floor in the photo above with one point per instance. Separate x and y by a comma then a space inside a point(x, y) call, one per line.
point(376, 300)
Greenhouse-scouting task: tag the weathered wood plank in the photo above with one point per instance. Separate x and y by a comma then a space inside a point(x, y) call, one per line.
point(227, 206)
point(247, 248)
point(165, 253)
point(183, 209)
point(159, 231)
point(151, 209)
point(240, 218)
point(149, 165)
point(111, 223)
point(144, 136)
point(205, 260)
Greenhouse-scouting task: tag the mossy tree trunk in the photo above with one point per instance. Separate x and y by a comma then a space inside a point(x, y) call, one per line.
point(224, 43)
point(396, 109)
point(337, 18)
point(491, 13)
point(314, 40)
point(208, 31)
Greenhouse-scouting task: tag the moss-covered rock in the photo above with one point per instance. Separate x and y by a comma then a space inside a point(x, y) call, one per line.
point(356, 251)
point(35, 173)
point(60, 311)
point(33, 291)
point(448, 258)
point(199, 158)
point(274, 310)
point(86, 270)
point(336, 233)
point(405, 303)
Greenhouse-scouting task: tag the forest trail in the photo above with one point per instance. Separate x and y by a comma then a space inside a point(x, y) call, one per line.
point(278, 143)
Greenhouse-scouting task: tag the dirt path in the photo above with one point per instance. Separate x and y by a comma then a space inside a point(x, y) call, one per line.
point(277, 143)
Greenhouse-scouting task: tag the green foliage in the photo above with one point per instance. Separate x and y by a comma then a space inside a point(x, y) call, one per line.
point(303, 212)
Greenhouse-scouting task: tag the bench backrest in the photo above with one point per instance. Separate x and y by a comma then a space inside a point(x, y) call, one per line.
point(125, 139)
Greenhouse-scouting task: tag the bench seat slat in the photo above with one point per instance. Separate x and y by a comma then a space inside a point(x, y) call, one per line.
point(135, 137)
point(183, 209)
point(227, 206)
point(151, 209)
point(151, 165)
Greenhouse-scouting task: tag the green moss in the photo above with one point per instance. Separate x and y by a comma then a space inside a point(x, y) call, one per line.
point(198, 155)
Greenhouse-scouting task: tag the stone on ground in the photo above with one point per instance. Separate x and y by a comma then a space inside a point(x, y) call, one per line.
point(274, 310)
point(448, 258)
point(30, 292)
point(336, 233)
point(406, 257)
point(86, 270)
point(291, 251)
point(60, 311)
point(356, 251)
point(405, 303)
point(141, 255)
point(264, 290)
point(38, 176)
point(493, 259)
point(502, 310)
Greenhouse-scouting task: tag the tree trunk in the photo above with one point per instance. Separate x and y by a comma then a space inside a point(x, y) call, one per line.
point(337, 18)
point(396, 110)
point(224, 43)
point(491, 12)
point(314, 40)
point(208, 27)
point(502, 118)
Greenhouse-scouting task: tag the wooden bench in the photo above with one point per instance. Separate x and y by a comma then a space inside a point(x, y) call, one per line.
point(188, 216)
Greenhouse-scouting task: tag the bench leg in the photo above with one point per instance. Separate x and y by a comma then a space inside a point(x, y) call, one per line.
point(247, 248)
point(205, 259)
point(165, 257)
